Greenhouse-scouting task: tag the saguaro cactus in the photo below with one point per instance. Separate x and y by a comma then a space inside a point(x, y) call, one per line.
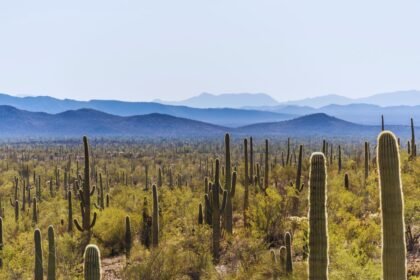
point(413, 141)
point(128, 237)
point(39, 271)
point(92, 263)
point(155, 218)
point(346, 181)
point(34, 211)
point(69, 212)
point(366, 160)
point(200, 214)
point(216, 210)
point(267, 167)
point(318, 238)
point(246, 183)
point(289, 262)
point(229, 205)
point(85, 195)
point(393, 241)
point(1, 241)
point(51, 254)
point(339, 158)
point(228, 174)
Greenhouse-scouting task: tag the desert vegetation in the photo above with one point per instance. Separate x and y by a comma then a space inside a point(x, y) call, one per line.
point(250, 208)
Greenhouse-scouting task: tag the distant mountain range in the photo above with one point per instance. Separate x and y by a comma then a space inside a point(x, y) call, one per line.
point(220, 116)
point(74, 123)
point(258, 100)
point(357, 113)
point(225, 100)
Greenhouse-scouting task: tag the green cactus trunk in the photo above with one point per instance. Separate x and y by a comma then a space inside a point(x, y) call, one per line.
point(346, 181)
point(200, 214)
point(34, 211)
point(39, 271)
point(69, 212)
point(155, 218)
point(339, 158)
point(366, 160)
point(289, 262)
point(217, 211)
point(128, 237)
point(51, 254)
point(1, 241)
point(393, 239)
point(318, 237)
point(92, 263)
point(85, 195)
point(246, 183)
point(251, 160)
point(413, 141)
point(229, 206)
point(267, 167)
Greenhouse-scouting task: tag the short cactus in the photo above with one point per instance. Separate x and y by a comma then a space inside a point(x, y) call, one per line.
point(92, 263)
point(289, 262)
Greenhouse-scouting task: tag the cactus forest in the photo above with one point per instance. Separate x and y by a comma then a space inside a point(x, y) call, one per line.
point(232, 208)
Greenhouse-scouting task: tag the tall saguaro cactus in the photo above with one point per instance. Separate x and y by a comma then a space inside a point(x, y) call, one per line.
point(393, 240)
point(155, 218)
point(51, 254)
point(266, 166)
point(318, 238)
point(366, 160)
point(228, 174)
point(92, 263)
point(413, 141)
point(39, 271)
point(246, 183)
point(216, 210)
point(85, 195)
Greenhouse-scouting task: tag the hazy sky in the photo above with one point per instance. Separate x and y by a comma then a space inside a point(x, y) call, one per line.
point(142, 50)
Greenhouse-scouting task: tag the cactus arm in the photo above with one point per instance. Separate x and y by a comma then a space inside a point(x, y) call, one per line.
point(76, 223)
point(93, 220)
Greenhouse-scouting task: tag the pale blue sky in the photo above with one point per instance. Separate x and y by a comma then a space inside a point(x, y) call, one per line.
point(142, 50)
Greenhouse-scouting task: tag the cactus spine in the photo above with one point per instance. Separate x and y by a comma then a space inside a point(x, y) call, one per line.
point(39, 271)
point(393, 240)
point(51, 254)
point(155, 218)
point(289, 263)
point(318, 238)
point(92, 263)
point(85, 195)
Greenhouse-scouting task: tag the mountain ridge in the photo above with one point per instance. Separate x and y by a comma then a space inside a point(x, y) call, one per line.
point(73, 123)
